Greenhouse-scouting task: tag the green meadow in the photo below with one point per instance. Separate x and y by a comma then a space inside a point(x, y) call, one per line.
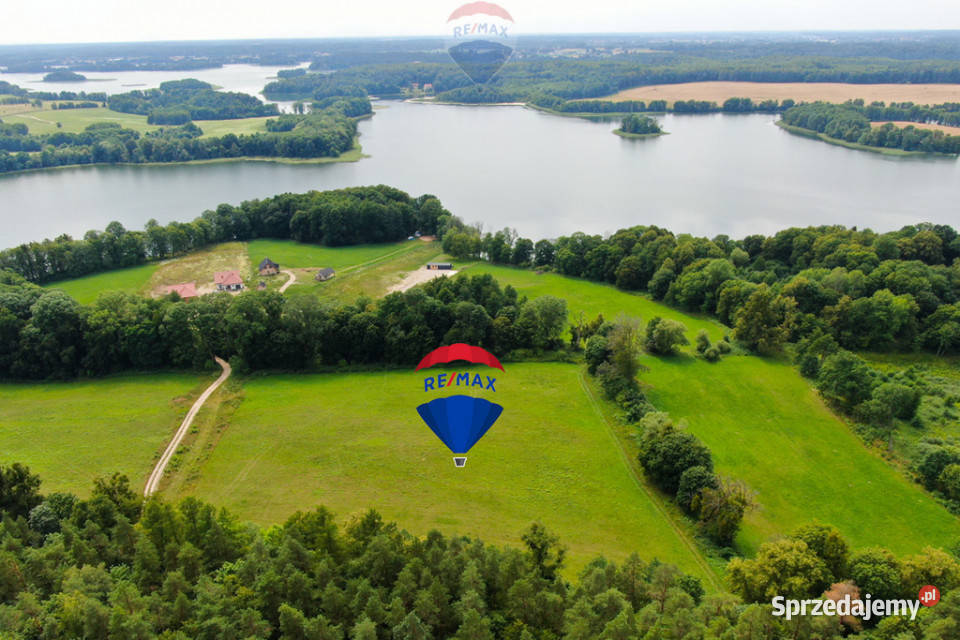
point(76, 120)
point(592, 298)
point(354, 441)
point(72, 432)
point(86, 289)
point(299, 255)
point(766, 426)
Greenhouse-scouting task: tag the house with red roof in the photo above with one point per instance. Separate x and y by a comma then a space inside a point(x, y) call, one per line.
point(186, 291)
point(228, 281)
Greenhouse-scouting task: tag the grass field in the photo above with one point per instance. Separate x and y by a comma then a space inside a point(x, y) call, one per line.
point(372, 278)
point(76, 120)
point(298, 255)
point(73, 432)
point(767, 427)
point(799, 91)
point(354, 441)
point(592, 298)
point(86, 289)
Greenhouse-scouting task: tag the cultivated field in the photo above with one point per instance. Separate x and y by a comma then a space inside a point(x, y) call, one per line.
point(355, 441)
point(768, 427)
point(73, 432)
point(799, 91)
point(953, 131)
point(76, 120)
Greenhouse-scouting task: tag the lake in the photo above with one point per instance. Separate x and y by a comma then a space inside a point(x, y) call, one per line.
point(541, 174)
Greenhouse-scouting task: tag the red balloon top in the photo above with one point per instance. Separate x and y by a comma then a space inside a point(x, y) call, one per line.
point(459, 351)
point(480, 7)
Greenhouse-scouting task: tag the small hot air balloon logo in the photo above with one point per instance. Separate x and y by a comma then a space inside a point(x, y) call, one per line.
point(459, 420)
point(480, 38)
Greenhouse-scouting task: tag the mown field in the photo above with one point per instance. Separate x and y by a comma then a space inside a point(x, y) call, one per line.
point(73, 432)
point(299, 255)
point(88, 288)
point(354, 441)
point(766, 426)
point(76, 120)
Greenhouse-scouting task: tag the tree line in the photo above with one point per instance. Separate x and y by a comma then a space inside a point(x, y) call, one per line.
point(179, 101)
point(114, 565)
point(869, 291)
point(326, 134)
point(342, 216)
point(850, 123)
point(45, 334)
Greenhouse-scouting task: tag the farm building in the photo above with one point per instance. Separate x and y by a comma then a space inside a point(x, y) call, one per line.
point(268, 267)
point(439, 265)
point(324, 274)
point(186, 291)
point(228, 281)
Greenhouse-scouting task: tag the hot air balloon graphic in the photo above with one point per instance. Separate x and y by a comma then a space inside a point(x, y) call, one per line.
point(480, 38)
point(459, 420)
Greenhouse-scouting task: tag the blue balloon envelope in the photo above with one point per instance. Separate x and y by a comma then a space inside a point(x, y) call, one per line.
point(459, 421)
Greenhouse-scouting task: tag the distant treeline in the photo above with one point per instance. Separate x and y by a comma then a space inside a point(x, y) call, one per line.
point(869, 291)
point(848, 122)
point(179, 101)
point(7, 89)
point(731, 105)
point(578, 79)
point(344, 216)
point(46, 334)
point(326, 134)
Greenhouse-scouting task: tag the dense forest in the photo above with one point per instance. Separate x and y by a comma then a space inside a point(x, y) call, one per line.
point(114, 565)
point(850, 122)
point(578, 79)
point(179, 101)
point(46, 334)
point(325, 134)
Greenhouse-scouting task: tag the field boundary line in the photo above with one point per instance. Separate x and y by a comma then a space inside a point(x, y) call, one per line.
point(153, 482)
point(654, 499)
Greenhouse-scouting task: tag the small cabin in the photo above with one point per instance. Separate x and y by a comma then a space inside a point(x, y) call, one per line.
point(186, 291)
point(268, 267)
point(324, 274)
point(442, 266)
point(228, 281)
point(261, 286)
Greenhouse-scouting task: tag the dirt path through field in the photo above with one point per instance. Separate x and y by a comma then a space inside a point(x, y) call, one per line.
point(153, 482)
point(420, 276)
point(292, 280)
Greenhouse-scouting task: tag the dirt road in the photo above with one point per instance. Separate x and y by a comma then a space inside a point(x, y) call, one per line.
point(153, 482)
point(292, 280)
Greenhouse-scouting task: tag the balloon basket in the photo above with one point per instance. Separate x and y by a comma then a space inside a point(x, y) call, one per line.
point(460, 461)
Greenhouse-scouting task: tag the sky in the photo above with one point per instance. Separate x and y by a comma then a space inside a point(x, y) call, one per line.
point(124, 21)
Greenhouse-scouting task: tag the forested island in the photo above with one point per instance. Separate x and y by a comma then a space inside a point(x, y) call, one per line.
point(64, 76)
point(636, 126)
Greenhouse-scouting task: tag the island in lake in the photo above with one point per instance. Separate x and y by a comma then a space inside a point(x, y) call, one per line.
point(64, 76)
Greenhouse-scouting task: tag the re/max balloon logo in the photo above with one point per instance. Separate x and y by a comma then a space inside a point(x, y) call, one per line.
point(460, 420)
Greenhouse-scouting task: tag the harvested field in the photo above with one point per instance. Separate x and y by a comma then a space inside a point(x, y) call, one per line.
point(799, 91)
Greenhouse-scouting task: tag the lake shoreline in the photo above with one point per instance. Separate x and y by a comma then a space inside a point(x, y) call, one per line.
point(353, 155)
point(816, 135)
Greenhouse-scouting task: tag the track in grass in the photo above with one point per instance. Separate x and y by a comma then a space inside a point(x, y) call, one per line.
point(354, 441)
